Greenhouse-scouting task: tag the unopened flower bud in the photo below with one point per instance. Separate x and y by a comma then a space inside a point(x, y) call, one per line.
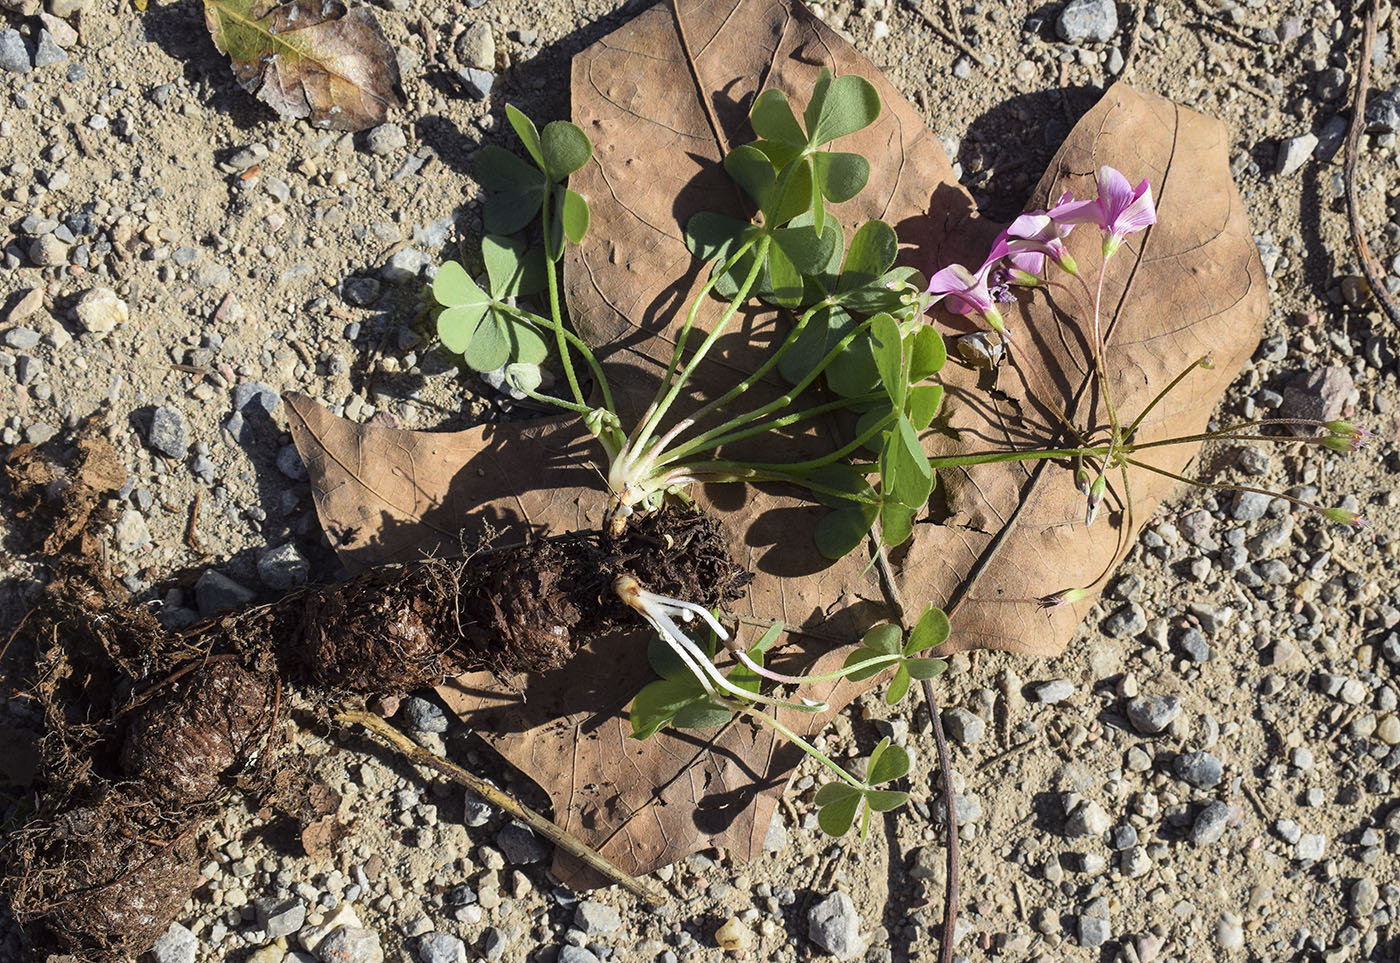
point(1338, 443)
point(1346, 517)
point(1096, 493)
point(993, 318)
point(1067, 264)
point(1021, 278)
point(1067, 597)
point(1082, 481)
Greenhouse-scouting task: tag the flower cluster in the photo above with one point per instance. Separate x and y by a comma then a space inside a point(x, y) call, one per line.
point(1020, 253)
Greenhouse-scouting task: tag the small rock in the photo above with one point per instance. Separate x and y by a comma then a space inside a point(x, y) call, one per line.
point(404, 266)
point(48, 251)
point(421, 715)
point(1310, 846)
point(176, 945)
point(1091, 21)
point(476, 812)
point(245, 157)
point(834, 926)
point(1364, 898)
point(255, 397)
point(1316, 396)
point(1126, 622)
point(215, 591)
point(1053, 691)
point(385, 139)
point(1194, 644)
point(1383, 112)
point(280, 918)
point(595, 918)
point(283, 567)
point(1213, 618)
point(21, 339)
point(31, 301)
point(1249, 506)
point(68, 8)
point(47, 52)
point(1293, 153)
point(361, 292)
point(441, 948)
point(169, 434)
point(1088, 819)
point(1094, 926)
point(211, 274)
point(1200, 769)
point(1229, 931)
point(931, 863)
point(1152, 714)
point(290, 464)
point(493, 944)
point(733, 935)
point(964, 726)
point(521, 846)
point(350, 944)
point(476, 47)
point(14, 55)
point(131, 532)
point(477, 83)
point(100, 311)
point(1210, 823)
point(575, 954)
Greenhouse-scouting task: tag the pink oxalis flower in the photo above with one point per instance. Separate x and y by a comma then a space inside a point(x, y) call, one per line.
point(1119, 210)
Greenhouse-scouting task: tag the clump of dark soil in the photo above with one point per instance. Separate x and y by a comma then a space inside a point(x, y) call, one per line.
point(146, 730)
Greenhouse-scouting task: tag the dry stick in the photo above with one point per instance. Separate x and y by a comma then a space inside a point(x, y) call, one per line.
point(550, 830)
point(1374, 276)
point(946, 34)
point(890, 589)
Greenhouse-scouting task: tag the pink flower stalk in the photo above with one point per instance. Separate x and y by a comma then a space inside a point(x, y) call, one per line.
point(1119, 210)
point(968, 293)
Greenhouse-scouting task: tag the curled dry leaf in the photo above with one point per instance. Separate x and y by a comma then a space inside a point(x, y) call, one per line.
point(309, 58)
point(662, 98)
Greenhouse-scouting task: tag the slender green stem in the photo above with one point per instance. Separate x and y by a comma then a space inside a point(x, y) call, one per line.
point(555, 314)
point(1199, 362)
point(551, 400)
point(1098, 354)
point(703, 444)
point(1038, 454)
point(671, 387)
point(801, 743)
point(820, 462)
point(1223, 487)
point(581, 346)
point(1226, 436)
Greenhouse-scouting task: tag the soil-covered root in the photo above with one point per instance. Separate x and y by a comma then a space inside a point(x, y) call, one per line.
point(101, 878)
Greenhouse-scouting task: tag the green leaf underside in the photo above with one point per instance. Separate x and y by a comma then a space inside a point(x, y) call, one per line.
point(835, 818)
point(514, 190)
point(796, 198)
point(924, 402)
point(872, 251)
point(844, 106)
point(896, 523)
point(839, 532)
point(853, 371)
point(888, 765)
point(928, 354)
point(888, 347)
point(933, 628)
point(925, 668)
point(754, 172)
point(576, 216)
point(899, 685)
point(883, 638)
point(713, 237)
point(453, 287)
point(884, 800)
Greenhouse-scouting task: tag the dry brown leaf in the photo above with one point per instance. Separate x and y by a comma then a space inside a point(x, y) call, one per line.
point(396, 493)
point(309, 58)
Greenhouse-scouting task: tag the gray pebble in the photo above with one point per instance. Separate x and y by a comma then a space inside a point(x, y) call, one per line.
point(1316, 396)
point(361, 292)
point(1088, 819)
point(28, 368)
point(283, 567)
point(14, 55)
point(1121, 837)
point(216, 591)
point(1200, 769)
point(1288, 831)
point(48, 251)
point(964, 726)
point(476, 811)
point(834, 926)
point(1364, 897)
point(421, 715)
point(1094, 926)
point(1126, 622)
point(254, 396)
point(1293, 153)
point(1194, 644)
point(493, 944)
point(441, 948)
point(476, 47)
point(169, 433)
point(1310, 846)
point(1249, 506)
point(1253, 460)
point(1055, 690)
point(160, 95)
point(47, 52)
point(1092, 21)
point(245, 157)
point(21, 339)
point(1152, 714)
point(521, 846)
point(176, 945)
point(211, 274)
point(476, 83)
point(1210, 823)
point(575, 954)
point(404, 266)
point(280, 918)
point(385, 139)
point(350, 944)
point(595, 918)
point(290, 464)
point(1383, 112)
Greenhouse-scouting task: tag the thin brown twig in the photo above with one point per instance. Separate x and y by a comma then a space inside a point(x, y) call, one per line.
point(1374, 276)
point(945, 34)
point(554, 833)
point(1211, 23)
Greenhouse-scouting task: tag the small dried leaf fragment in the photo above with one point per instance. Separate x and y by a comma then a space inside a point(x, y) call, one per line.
point(309, 58)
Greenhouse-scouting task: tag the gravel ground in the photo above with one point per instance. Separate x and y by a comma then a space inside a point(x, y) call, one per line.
point(1206, 773)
